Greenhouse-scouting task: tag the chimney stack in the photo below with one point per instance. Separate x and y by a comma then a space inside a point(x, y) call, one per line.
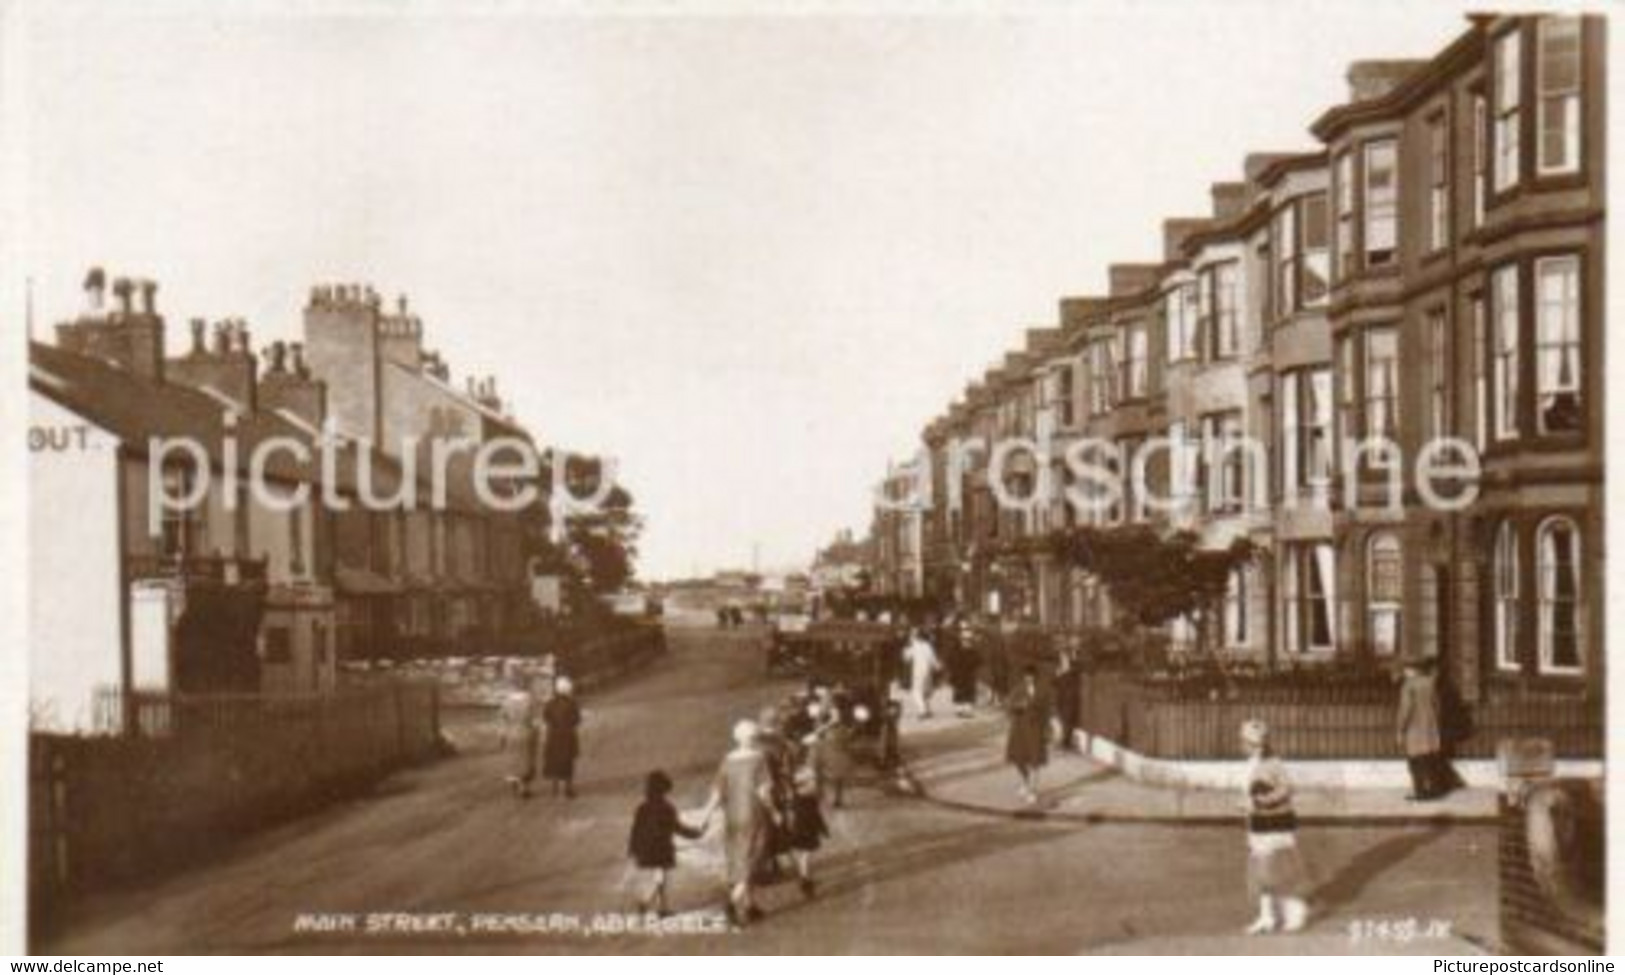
point(1229, 200)
point(1374, 79)
point(134, 342)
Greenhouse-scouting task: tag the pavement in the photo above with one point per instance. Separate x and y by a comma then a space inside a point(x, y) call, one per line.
point(901, 873)
point(959, 763)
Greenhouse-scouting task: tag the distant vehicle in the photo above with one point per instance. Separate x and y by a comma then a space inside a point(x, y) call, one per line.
point(635, 604)
point(786, 648)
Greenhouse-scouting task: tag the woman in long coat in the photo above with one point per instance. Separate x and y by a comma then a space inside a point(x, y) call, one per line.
point(519, 734)
point(1027, 748)
point(743, 790)
point(562, 716)
point(1418, 730)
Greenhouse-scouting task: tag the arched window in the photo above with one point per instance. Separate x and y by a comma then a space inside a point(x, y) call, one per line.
point(1384, 592)
point(1504, 568)
point(1557, 574)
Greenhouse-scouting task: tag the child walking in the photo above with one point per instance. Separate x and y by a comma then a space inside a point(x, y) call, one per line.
point(653, 846)
point(1276, 878)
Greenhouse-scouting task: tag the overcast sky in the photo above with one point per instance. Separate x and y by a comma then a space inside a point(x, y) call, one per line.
point(749, 256)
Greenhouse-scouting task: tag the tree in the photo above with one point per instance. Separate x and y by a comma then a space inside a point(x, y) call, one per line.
point(1155, 577)
point(594, 552)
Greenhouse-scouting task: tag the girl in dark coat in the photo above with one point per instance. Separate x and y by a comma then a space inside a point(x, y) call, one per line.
point(653, 846)
point(1028, 745)
point(562, 716)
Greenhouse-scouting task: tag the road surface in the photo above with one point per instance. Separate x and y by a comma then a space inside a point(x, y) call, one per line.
point(436, 858)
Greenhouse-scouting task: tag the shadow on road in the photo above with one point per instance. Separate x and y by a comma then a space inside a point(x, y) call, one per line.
point(1371, 863)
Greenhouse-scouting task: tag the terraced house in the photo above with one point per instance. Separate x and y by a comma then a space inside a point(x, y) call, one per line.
point(250, 591)
point(1430, 273)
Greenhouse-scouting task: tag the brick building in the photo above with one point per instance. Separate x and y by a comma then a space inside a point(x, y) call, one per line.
point(1450, 218)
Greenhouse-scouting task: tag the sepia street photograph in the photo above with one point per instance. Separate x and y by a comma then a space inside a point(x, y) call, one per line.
point(780, 478)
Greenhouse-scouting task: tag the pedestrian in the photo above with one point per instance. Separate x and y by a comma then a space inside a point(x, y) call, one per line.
point(743, 791)
point(1027, 747)
point(519, 734)
point(923, 665)
point(807, 828)
point(775, 749)
point(1419, 733)
point(1068, 692)
point(1276, 878)
point(652, 845)
point(997, 652)
point(960, 650)
point(562, 716)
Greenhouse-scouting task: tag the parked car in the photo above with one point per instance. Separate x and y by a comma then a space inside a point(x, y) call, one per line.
point(859, 662)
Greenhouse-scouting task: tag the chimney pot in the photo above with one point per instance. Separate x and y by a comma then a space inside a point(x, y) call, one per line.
point(95, 291)
point(149, 300)
point(298, 351)
point(222, 337)
point(279, 353)
point(200, 342)
point(400, 304)
point(121, 291)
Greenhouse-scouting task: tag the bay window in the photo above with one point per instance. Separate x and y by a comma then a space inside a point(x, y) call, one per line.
point(1348, 399)
point(1216, 315)
point(1504, 352)
point(1284, 248)
point(1306, 432)
point(1438, 373)
point(1382, 383)
point(1313, 261)
point(1438, 182)
point(1300, 272)
point(1223, 462)
point(1557, 576)
point(1135, 378)
point(1480, 175)
point(1308, 583)
point(1557, 104)
point(1101, 394)
point(1481, 385)
point(1557, 344)
point(1507, 71)
point(1384, 593)
point(1381, 202)
point(1504, 568)
point(1343, 172)
point(1065, 383)
point(1178, 325)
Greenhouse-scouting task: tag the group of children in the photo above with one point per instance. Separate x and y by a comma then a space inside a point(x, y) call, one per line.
point(793, 745)
point(796, 741)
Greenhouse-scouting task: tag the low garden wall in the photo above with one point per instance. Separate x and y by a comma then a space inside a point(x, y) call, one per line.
point(198, 770)
point(1165, 720)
